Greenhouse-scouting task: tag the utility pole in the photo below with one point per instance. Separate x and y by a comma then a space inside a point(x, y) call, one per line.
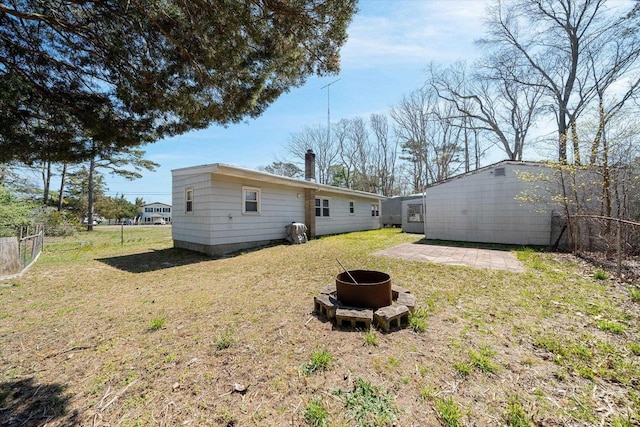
point(328, 86)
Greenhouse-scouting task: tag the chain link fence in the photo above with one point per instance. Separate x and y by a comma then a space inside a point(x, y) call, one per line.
point(611, 243)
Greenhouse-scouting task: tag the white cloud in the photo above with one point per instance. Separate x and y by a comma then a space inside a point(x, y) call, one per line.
point(413, 32)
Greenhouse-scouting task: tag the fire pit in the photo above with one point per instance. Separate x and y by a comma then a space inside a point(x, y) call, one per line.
point(371, 290)
point(360, 298)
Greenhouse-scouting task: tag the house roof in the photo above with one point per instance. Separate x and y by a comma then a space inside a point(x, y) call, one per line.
point(155, 203)
point(227, 170)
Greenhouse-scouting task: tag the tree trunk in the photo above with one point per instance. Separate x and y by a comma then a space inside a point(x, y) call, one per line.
point(46, 181)
point(63, 176)
point(92, 167)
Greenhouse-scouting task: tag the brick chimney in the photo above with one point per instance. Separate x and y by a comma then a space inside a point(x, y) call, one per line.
point(310, 166)
point(310, 194)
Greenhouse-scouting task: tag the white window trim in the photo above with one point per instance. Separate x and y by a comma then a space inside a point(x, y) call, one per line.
point(244, 201)
point(186, 200)
point(321, 198)
point(352, 203)
point(375, 210)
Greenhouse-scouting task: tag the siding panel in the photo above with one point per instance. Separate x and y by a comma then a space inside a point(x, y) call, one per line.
point(217, 223)
point(482, 207)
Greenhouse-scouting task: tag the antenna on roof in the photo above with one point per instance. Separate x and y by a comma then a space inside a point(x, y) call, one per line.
point(328, 86)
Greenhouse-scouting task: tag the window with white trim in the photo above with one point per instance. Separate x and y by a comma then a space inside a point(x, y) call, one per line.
point(352, 207)
point(375, 209)
point(322, 207)
point(188, 200)
point(250, 200)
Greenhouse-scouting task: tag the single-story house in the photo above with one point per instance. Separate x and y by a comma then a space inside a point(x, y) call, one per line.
point(487, 205)
point(222, 209)
point(155, 213)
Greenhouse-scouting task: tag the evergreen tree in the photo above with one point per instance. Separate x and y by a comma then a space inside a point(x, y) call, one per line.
point(134, 71)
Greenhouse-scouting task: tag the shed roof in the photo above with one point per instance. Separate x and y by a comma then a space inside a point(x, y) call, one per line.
point(489, 167)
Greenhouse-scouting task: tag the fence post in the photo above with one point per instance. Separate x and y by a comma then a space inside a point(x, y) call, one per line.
point(619, 247)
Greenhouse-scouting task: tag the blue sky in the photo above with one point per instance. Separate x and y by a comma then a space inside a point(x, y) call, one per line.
point(390, 45)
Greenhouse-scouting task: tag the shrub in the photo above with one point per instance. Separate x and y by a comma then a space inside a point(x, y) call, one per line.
point(57, 223)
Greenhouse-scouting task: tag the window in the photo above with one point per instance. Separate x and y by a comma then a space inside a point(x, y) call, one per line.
point(166, 209)
point(188, 197)
point(148, 209)
point(250, 200)
point(414, 213)
point(375, 209)
point(322, 207)
point(352, 207)
point(500, 172)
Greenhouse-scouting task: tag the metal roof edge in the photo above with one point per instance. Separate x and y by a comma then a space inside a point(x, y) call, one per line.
point(228, 170)
point(491, 166)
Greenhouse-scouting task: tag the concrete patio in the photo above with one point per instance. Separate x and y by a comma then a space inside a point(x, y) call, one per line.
point(451, 255)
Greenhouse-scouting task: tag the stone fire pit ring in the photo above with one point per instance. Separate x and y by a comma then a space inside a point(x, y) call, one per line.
point(371, 290)
point(372, 300)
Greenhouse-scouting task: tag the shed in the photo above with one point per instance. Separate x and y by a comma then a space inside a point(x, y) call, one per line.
point(219, 209)
point(486, 206)
point(391, 210)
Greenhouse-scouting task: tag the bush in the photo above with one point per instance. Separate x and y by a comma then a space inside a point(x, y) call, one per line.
point(56, 223)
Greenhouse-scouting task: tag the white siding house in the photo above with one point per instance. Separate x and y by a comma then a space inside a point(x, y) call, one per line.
point(154, 212)
point(485, 206)
point(220, 209)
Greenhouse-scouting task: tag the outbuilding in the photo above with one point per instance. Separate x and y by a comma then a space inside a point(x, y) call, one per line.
point(220, 209)
point(489, 205)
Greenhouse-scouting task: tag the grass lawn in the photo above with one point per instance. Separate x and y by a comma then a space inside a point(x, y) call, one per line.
point(100, 333)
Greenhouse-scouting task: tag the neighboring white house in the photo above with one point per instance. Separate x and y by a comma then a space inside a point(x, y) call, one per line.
point(485, 206)
point(221, 209)
point(155, 213)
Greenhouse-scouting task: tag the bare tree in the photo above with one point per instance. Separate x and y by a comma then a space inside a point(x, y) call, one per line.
point(346, 151)
point(432, 136)
point(315, 138)
point(386, 154)
point(490, 101)
point(410, 126)
point(445, 142)
point(551, 39)
point(358, 136)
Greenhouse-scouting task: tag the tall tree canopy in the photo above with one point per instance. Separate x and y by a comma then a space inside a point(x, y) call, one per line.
point(132, 71)
point(568, 51)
